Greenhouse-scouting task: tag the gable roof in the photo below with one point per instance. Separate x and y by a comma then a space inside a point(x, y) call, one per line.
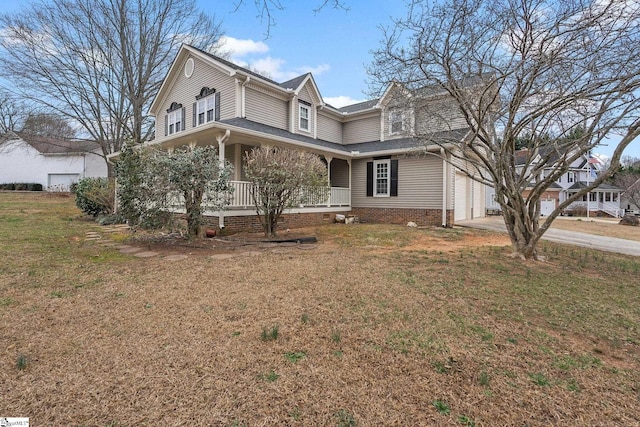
point(295, 82)
point(49, 145)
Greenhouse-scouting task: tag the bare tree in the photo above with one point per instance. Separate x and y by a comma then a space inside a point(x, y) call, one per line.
point(628, 179)
point(503, 69)
point(100, 62)
point(12, 113)
point(266, 9)
point(52, 125)
point(283, 178)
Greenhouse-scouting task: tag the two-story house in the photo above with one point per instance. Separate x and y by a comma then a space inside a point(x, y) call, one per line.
point(603, 200)
point(373, 172)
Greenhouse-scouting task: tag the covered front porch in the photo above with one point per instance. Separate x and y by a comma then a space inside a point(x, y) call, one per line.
point(233, 147)
point(603, 199)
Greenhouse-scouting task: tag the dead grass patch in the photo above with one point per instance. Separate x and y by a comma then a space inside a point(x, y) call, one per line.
point(599, 227)
point(380, 325)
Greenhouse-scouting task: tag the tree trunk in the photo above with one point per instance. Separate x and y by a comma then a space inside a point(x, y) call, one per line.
point(193, 212)
point(524, 235)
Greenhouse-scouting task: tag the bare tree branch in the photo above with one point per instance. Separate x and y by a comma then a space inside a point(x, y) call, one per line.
point(100, 62)
point(504, 69)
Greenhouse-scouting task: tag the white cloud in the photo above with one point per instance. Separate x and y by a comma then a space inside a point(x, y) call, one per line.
point(250, 54)
point(341, 101)
point(238, 48)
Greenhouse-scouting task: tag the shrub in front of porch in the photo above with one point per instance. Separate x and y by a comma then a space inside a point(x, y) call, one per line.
point(151, 182)
point(283, 178)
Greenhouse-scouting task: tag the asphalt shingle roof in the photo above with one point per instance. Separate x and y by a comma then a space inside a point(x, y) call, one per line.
point(362, 147)
point(49, 145)
point(359, 106)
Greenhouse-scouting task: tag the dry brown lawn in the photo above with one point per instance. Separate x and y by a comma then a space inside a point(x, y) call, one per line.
point(599, 227)
point(376, 325)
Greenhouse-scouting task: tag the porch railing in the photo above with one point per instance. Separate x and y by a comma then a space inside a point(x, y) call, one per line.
point(610, 208)
point(313, 196)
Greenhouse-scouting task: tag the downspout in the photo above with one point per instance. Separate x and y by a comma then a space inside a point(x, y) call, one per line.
point(243, 95)
point(221, 145)
point(444, 188)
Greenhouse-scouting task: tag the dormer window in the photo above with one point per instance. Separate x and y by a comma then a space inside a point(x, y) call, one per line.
point(396, 122)
point(304, 117)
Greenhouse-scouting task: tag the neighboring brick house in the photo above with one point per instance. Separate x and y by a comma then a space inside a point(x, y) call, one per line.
point(206, 100)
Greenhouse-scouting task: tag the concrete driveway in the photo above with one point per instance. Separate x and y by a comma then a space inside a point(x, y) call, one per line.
point(610, 244)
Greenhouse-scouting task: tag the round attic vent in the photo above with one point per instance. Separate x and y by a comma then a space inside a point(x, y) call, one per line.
point(188, 68)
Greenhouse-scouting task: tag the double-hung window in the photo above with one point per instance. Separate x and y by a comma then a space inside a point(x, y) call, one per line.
point(396, 122)
point(205, 110)
point(382, 178)
point(174, 120)
point(571, 176)
point(304, 117)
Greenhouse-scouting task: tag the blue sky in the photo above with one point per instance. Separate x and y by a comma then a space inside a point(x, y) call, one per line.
point(334, 44)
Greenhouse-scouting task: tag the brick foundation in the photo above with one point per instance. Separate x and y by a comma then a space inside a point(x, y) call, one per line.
point(426, 217)
point(252, 222)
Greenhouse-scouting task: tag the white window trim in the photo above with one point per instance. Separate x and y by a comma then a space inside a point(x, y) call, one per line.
point(375, 178)
point(174, 119)
point(571, 177)
point(392, 120)
point(204, 103)
point(307, 118)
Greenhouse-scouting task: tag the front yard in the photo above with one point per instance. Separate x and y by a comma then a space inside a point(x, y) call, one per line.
point(375, 325)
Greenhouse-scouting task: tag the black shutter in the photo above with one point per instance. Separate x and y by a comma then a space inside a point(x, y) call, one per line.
point(184, 118)
point(217, 106)
point(369, 179)
point(166, 124)
point(394, 178)
point(195, 114)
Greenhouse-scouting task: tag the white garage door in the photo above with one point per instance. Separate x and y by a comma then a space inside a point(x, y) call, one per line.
point(460, 210)
point(547, 206)
point(478, 200)
point(62, 182)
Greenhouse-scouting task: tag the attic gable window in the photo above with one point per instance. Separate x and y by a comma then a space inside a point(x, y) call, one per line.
point(207, 107)
point(174, 120)
point(396, 122)
point(304, 117)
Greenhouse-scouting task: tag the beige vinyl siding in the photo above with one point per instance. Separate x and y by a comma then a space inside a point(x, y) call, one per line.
point(439, 115)
point(266, 109)
point(305, 95)
point(419, 185)
point(339, 173)
point(184, 91)
point(329, 129)
point(362, 130)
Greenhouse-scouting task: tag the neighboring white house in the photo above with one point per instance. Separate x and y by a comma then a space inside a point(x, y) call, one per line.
point(54, 163)
point(605, 199)
point(207, 100)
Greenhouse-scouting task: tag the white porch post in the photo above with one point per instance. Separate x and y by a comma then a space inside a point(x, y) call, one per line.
point(329, 159)
point(237, 172)
point(221, 138)
point(350, 190)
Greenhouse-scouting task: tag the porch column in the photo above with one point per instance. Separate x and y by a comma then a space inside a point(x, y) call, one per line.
point(237, 172)
point(221, 138)
point(349, 163)
point(329, 159)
